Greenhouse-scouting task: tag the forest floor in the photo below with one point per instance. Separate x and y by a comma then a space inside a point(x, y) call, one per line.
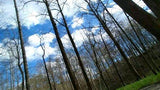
point(152, 87)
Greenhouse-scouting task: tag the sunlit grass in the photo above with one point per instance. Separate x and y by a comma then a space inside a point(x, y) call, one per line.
point(142, 83)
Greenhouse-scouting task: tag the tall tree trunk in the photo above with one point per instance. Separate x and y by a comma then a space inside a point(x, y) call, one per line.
point(134, 71)
point(91, 77)
point(50, 71)
point(65, 58)
point(145, 40)
point(21, 71)
point(131, 50)
point(61, 76)
point(149, 22)
point(154, 5)
point(100, 61)
point(19, 65)
point(75, 49)
point(22, 47)
point(11, 76)
point(45, 66)
point(95, 60)
point(130, 40)
point(143, 46)
point(109, 54)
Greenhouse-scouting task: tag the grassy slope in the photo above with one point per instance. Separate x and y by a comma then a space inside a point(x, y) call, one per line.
point(142, 83)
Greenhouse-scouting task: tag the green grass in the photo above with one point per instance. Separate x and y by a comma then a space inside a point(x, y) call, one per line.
point(142, 83)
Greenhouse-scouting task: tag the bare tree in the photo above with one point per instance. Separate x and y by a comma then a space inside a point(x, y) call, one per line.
point(44, 62)
point(67, 63)
point(141, 16)
point(75, 48)
point(130, 40)
point(109, 54)
point(96, 14)
point(22, 47)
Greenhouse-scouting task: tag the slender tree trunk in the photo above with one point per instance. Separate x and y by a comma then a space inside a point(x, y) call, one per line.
point(61, 77)
point(116, 23)
point(134, 71)
point(146, 41)
point(45, 66)
point(103, 56)
point(143, 46)
point(66, 61)
point(92, 81)
point(100, 58)
point(50, 71)
point(131, 50)
point(100, 71)
point(19, 66)
point(10, 69)
point(22, 47)
point(109, 54)
point(75, 49)
point(146, 20)
point(96, 63)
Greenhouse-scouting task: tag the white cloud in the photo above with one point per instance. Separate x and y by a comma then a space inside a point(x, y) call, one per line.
point(5, 49)
point(77, 22)
point(118, 14)
point(78, 37)
point(7, 14)
point(30, 53)
point(47, 38)
point(35, 53)
point(115, 9)
point(66, 42)
point(34, 40)
point(73, 6)
point(30, 14)
point(3, 52)
point(34, 50)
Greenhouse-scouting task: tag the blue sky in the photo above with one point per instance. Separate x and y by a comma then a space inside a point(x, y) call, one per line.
point(35, 26)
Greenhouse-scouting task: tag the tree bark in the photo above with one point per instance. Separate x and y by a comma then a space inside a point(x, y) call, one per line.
point(22, 47)
point(134, 71)
point(45, 66)
point(65, 58)
point(149, 22)
point(130, 40)
point(75, 49)
point(112, 60)
point(143, 46)
point(95, 60)
point(19, 66)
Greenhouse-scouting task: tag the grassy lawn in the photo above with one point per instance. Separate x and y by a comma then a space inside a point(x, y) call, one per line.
point(142, 83)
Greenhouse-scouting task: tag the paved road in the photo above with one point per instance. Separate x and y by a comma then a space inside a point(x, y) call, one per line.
point(152, 87)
